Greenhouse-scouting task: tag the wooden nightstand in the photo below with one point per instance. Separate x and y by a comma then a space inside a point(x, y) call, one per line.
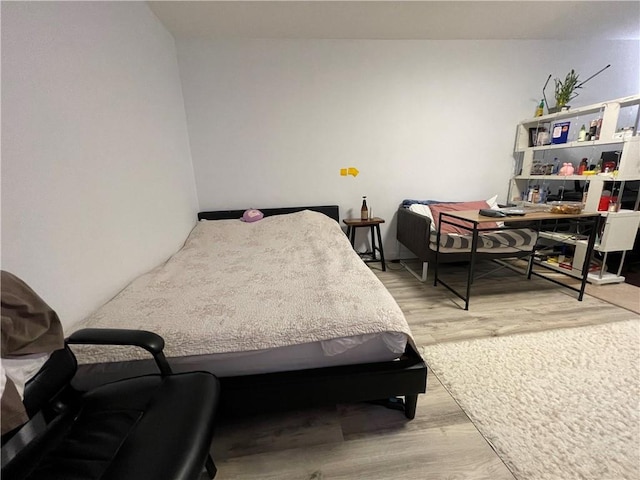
point(374, 226)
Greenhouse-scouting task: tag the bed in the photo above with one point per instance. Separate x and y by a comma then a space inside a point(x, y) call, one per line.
point(282, 310)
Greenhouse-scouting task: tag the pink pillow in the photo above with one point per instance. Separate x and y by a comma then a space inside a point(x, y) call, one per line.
point(436, 208)
point(252, 215)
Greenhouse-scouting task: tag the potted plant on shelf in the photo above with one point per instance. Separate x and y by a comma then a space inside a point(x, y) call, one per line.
point(564, 91)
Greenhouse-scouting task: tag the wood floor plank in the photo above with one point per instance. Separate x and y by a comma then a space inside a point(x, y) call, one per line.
point(502, 303)
point(435, 410)
point(454, 451)
point(264, 433)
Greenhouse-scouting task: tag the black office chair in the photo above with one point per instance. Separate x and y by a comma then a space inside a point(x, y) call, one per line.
point(156, 427)
point(153, 427)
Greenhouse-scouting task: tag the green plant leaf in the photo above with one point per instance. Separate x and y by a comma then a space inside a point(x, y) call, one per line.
point(565, 90)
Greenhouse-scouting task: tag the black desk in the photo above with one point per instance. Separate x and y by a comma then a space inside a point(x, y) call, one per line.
point(472, 221)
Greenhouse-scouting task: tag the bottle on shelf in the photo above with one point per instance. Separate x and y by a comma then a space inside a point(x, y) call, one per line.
point(540, 109)
point(544, 192)
point(585, 193)
point(593, 127)
point(583, 166)
point(364, 211)
point(582, 136)
point(534, 195)
point(556, 166)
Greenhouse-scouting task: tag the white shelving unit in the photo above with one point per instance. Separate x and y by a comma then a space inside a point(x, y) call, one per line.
point(620, 228)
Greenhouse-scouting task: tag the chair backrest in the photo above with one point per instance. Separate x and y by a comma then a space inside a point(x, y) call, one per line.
point(46, 396)
point(51, 380)
point(29, 327)
point(46, 393)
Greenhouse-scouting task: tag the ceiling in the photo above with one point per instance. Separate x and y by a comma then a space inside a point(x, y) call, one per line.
point(373, 19)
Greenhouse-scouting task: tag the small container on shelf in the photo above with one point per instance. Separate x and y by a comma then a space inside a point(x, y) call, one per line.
point(606, 200)
point(623, 133)
point(567, 208)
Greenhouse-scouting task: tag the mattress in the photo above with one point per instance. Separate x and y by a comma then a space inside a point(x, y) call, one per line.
point(287, 292)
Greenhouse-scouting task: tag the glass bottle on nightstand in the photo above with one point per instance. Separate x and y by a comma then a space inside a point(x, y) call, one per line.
point(364, 211)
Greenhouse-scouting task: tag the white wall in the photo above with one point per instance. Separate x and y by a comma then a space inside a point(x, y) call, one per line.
point(97, 181)
point(271, 122)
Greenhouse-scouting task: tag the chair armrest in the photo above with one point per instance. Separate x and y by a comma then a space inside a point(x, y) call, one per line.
point(413, 231)
point(151, 342)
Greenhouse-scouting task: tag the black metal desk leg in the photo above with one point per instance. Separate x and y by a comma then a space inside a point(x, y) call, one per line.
point(588, 254)
point(351, 233)
point(384, 267)
point(530, 263)
point(472, 263)
point(435, 270)
point(533, 251)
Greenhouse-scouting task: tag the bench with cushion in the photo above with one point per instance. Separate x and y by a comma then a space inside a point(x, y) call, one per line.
point(416, 230)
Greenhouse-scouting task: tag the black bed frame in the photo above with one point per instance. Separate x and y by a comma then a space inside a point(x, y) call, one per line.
point(329, 210)
point(382, 382)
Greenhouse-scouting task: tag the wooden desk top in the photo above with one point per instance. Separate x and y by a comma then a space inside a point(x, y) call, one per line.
point(474, 216)
point(356, 222)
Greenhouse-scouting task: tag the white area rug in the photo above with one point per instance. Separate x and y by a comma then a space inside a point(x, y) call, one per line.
point(558, 405)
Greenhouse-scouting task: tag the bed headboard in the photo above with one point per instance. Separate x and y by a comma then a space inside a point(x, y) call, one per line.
point(329, 210)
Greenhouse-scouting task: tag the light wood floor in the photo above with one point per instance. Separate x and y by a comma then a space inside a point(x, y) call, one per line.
point(363, 441)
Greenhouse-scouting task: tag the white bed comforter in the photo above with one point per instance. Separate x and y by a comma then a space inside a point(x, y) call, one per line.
point(236, 286)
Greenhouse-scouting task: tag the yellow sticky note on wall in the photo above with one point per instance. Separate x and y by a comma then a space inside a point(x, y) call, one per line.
point(349, 171)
